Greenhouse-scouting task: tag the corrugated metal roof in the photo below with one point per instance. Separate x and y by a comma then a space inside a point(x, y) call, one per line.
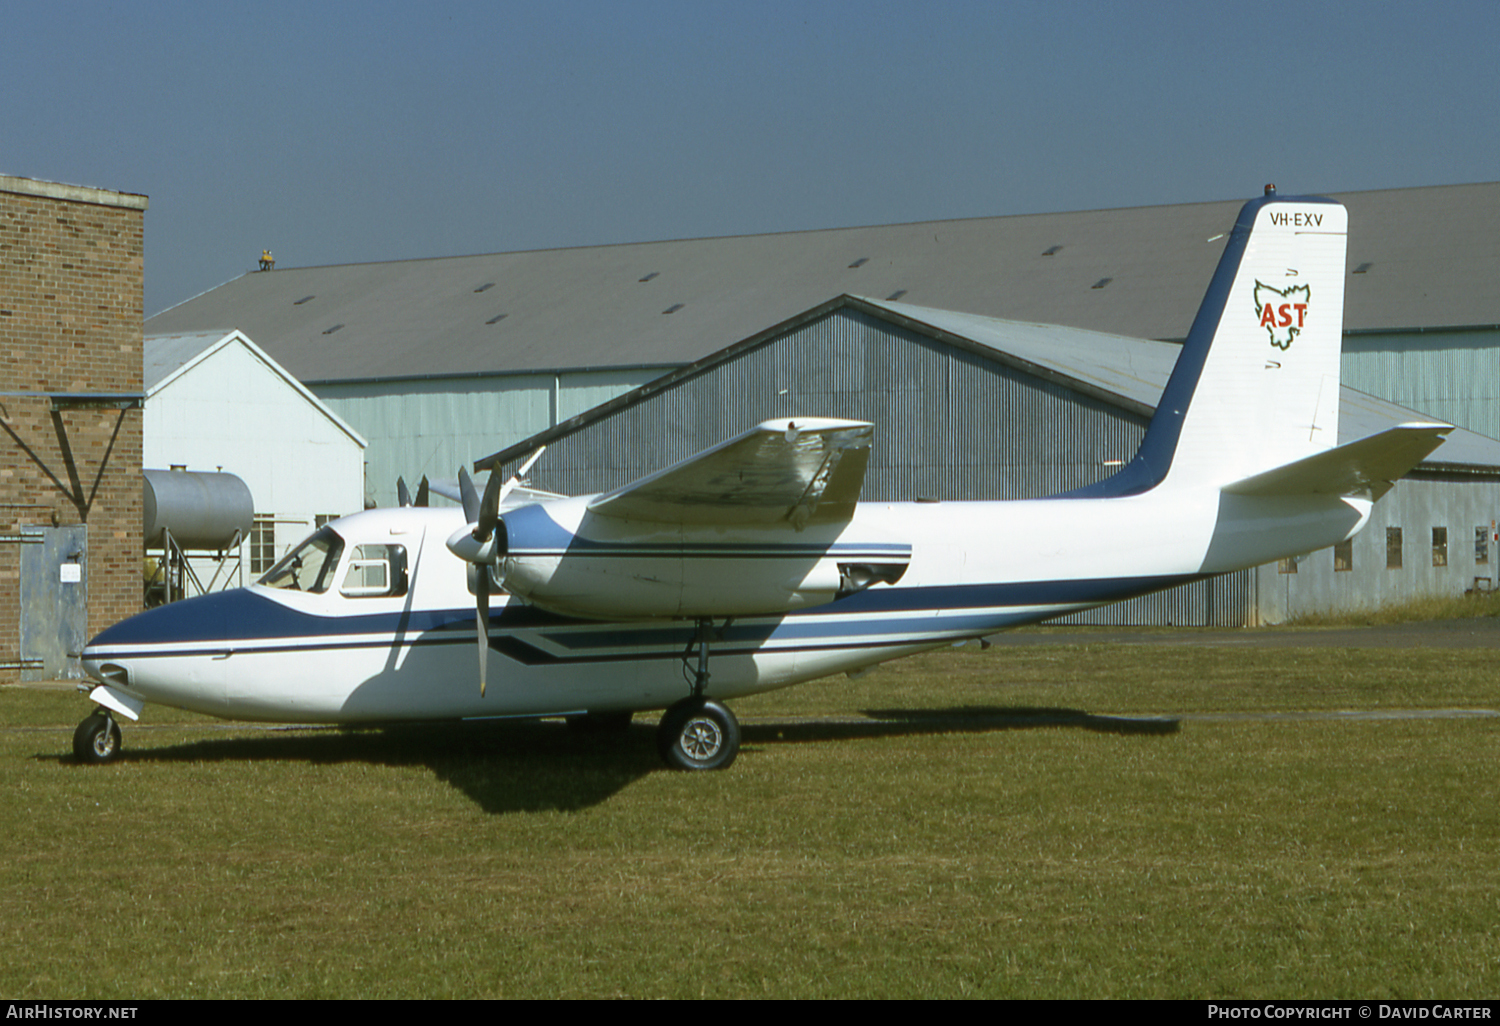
point(1433, 256)
point(163, 355)
point(1128, 372)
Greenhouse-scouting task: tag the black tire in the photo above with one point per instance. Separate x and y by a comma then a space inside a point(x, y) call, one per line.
point(698, 734)
point(97, 740)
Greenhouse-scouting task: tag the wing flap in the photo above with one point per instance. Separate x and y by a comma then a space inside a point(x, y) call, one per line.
point(1367, 468)
point(802, 471)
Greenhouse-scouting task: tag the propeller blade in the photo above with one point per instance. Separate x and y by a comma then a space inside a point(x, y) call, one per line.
point(469, 495)
point(489, 509)
point(403, 495)
point(422, 491)
point(484, 514)
point(482, 621)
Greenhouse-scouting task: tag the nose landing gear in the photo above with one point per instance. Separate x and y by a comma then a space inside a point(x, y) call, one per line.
point(97, 739)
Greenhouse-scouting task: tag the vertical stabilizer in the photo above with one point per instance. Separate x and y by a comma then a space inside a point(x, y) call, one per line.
point(1267, 391)
point(1257, 383)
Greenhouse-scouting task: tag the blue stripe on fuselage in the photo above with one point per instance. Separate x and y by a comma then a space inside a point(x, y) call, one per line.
point(241, 616)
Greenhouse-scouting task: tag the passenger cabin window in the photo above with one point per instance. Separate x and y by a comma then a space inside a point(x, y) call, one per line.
point(310, 566)
point(376, 570)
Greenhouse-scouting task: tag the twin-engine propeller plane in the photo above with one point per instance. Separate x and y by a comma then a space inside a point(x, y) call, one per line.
point(751, 566)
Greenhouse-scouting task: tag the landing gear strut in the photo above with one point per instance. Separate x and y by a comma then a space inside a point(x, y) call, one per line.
point(699, 733)
point(97, 739)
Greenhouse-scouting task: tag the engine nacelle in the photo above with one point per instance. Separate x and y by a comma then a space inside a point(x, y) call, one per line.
point(561, 557)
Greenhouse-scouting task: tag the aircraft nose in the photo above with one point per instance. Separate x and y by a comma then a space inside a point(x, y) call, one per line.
point(117, 654)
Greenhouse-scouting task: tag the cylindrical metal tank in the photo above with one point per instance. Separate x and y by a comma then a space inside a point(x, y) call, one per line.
point(203, 511)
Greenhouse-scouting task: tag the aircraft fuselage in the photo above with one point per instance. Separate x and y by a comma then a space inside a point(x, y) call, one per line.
point(336, 656)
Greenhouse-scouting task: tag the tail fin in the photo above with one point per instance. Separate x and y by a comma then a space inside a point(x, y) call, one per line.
point(1257, 383)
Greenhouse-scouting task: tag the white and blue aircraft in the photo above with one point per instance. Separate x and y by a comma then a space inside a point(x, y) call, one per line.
point(752, 566)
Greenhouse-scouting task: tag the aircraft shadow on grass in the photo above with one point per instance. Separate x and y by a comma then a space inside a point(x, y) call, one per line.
point(530, 766)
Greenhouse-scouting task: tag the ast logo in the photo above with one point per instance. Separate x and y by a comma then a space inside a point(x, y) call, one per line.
point(1282, 312)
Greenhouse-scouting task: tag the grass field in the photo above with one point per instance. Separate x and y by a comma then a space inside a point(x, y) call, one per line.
point(961, 824)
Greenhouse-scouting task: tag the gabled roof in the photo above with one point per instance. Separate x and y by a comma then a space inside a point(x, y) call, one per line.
point(166, 358)
point(1430, 258)
point(1129, 373)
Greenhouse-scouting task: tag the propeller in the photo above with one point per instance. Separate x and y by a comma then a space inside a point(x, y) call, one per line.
point(403, 493)
point(482, 514)
point(480, 543)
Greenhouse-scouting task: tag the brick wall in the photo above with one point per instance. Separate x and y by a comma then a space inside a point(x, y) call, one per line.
point(71, 274)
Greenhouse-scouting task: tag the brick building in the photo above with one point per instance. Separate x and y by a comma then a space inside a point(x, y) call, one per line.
point(71, 273)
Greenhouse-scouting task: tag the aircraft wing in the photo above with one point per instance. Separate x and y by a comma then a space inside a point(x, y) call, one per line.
point(1367, 468)
point(520, 495)
point(801, 470)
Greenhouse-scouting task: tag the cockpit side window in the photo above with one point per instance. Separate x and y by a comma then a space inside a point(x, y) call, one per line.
point(376, 570)
point(310, 566)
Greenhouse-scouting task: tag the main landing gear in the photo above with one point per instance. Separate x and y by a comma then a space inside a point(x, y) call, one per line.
point(699, 733)
point(97, 739)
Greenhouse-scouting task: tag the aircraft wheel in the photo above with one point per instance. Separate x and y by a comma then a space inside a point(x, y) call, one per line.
point(698, 734)
point(96, 740)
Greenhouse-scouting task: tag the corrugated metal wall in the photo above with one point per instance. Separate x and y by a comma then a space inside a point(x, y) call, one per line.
point(435, 426)
point(1450, 375)
point(950, 425)
point(1463, 509)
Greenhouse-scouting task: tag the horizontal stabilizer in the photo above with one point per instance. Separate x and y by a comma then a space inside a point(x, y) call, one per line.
point(1367, 468)
point(801, 471)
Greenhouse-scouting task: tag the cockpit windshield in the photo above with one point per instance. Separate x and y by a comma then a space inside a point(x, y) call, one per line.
point(310, 566)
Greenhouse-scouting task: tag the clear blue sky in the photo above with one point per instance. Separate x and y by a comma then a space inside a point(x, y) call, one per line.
point(349, 132)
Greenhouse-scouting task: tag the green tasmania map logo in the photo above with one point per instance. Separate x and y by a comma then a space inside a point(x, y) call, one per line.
point(1283, 312)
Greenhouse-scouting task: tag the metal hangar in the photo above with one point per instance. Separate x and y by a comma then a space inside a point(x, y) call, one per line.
point(969, 407)
point(439, 361)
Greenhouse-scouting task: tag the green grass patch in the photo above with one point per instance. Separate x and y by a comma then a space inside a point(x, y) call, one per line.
point(982, 836)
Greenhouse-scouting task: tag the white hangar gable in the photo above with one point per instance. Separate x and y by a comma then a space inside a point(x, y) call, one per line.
point(216, 401)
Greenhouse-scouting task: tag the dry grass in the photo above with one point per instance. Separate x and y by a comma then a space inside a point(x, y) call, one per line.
point(1437, 607)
